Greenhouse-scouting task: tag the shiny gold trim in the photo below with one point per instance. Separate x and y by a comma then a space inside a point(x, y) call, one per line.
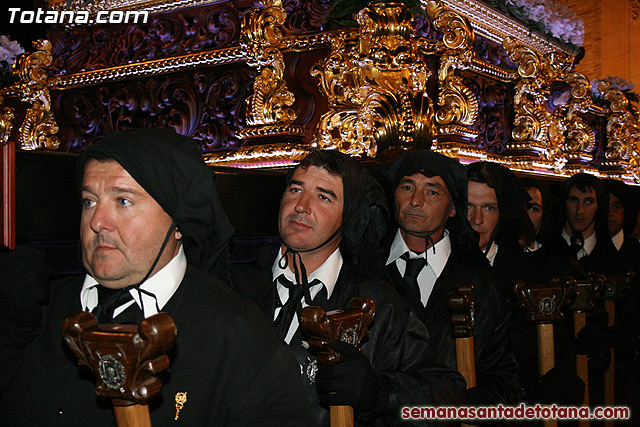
point(169, 65)
point(489, 70)
point(271, 130)
point(495, 26)
point(259, 156)
point(141, 69)
point(39, 127)
point(261, 35)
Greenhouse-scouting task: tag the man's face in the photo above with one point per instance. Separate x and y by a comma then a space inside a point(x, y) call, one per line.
point(311, 209)
point(616, 215)
point(483, 212)
point(580, 210)
point(534, 208)
point(423, 205)
point(122, 227)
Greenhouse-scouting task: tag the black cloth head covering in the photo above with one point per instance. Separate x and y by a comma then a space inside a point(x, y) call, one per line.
point(365, 212)
point(171, 169)
point(452, 173)
point(624, 193)
point(549, 210)
point(583, 181)
point(514, 220)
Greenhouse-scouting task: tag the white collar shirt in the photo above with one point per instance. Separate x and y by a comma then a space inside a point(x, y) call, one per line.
point(536, 246)
point(163, 285)
point(493, 251)
point(618, 239)
point(587, 247)
point(436, 257)
point(327, 273)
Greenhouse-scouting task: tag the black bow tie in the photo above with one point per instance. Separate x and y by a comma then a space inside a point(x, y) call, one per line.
point(293, 305)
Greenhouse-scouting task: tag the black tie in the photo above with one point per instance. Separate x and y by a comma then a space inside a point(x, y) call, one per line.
point(108, 301)
point(293, 304)
point(577, 243)
point(413, 268)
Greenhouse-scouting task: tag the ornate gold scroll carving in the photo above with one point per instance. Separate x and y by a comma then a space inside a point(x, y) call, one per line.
point(375, 82)
point(268, 109)
point(580, 138)
point(559, 135)
point(458, 104)
point(39, 127)
point(623, 132)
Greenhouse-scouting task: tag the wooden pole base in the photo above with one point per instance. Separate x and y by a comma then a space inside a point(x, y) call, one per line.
point(341, 416)
point(134, 415)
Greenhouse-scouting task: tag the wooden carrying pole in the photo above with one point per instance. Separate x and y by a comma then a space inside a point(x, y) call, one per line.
point(125, 360)
point(350, 325)
point(544, 304)
point(462, 310)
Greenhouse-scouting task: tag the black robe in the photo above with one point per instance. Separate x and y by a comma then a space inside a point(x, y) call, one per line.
point(496, 368)
point(227, 357)
point(397, 346)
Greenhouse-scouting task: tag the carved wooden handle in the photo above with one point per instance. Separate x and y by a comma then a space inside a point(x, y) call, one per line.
point(350, 325)
point(125, 360)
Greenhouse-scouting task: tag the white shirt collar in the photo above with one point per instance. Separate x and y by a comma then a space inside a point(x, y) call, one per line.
point(327, 273)
point(493, 251)
point(436, 256)
point(589, 243)
point(536, 245)
point(618, 239)
point(163, 285)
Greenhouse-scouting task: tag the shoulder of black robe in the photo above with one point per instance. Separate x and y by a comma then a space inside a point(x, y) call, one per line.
point(171, 169)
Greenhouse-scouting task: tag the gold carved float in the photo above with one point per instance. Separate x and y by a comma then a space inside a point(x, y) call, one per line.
point(386, 87)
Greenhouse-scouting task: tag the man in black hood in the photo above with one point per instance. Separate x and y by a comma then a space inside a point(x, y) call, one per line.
point(152, 226)
point(434, 250)
point(585, 211)
point(497, 202)
point(332, 214)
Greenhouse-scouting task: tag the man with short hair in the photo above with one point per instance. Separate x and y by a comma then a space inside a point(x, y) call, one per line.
point(152, 226)
point(332, 214)
point(432, 252)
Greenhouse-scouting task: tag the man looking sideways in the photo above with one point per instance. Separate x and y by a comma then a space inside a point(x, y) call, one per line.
point(151, 227)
